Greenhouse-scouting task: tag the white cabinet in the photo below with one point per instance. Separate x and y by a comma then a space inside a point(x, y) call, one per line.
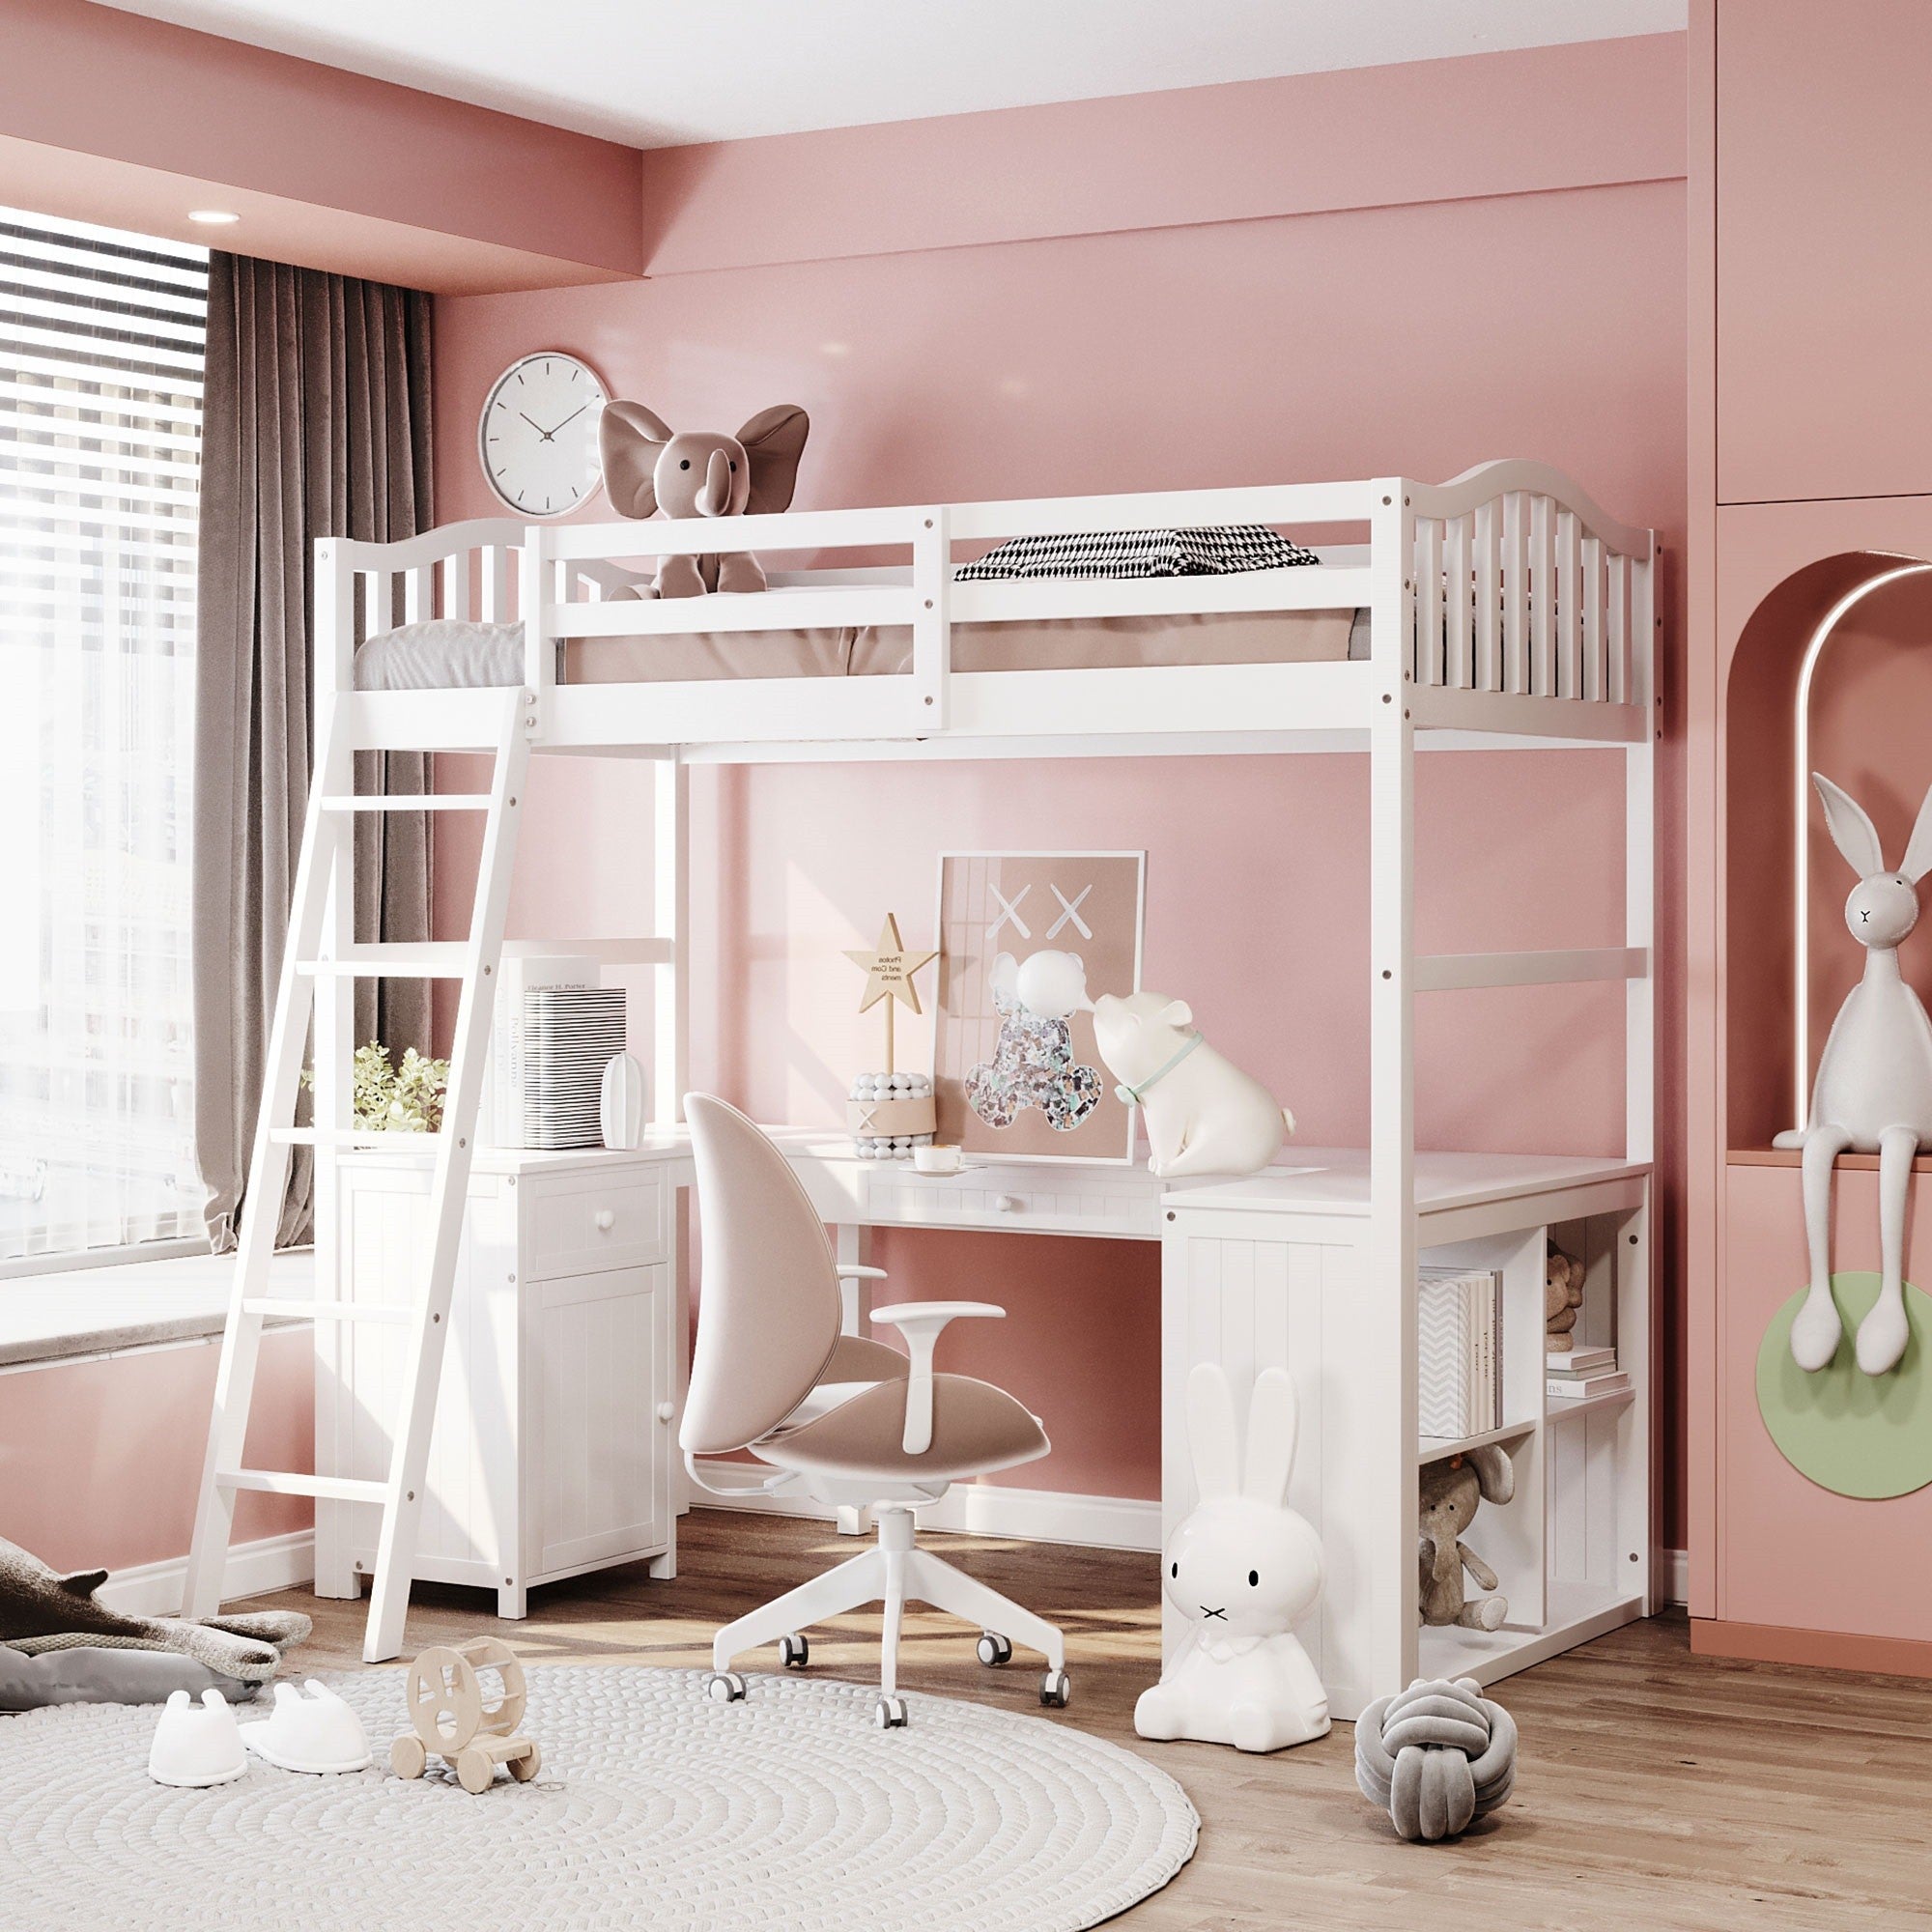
point(555, 1441)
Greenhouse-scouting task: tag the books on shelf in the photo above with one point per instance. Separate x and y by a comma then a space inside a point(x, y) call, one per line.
point(1458, 1341)
point(1582, 1361)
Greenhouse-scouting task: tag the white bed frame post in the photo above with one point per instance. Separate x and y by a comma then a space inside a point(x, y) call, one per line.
point(670, 885)
point(334, 646)
point(1386, 1355)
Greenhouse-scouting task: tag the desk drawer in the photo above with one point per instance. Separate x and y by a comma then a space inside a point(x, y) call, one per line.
point(579, 1223)
point(1049, 1201)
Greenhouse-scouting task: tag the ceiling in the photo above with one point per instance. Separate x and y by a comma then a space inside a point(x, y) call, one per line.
point(662, 73)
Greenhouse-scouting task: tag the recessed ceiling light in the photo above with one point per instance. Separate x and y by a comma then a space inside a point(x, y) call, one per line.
point(213, 217)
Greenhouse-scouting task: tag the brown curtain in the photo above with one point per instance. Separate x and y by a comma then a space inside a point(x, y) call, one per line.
point(315, 423)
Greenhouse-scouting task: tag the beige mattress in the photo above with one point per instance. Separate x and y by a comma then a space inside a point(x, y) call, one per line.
point(442, 654)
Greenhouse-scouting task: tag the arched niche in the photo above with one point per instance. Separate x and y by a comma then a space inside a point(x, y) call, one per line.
point(1831, 672)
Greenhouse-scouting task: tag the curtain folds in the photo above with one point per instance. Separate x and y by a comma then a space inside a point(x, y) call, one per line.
point(316, 423)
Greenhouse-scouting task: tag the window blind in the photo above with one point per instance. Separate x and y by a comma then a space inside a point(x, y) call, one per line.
point(101, 339)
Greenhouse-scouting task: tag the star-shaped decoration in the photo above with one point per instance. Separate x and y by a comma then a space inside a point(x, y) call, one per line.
point(888, 969)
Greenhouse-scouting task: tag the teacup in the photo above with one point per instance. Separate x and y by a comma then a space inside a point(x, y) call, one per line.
point(937, 1160)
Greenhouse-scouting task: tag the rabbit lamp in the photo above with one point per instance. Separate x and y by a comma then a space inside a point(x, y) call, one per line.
point(1873, 1093)
point(1243, 1567)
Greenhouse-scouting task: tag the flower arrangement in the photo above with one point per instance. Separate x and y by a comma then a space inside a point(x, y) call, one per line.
point(387, 1098)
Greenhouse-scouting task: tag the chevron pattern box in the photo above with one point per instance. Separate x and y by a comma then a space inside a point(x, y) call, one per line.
point(1459, 1352)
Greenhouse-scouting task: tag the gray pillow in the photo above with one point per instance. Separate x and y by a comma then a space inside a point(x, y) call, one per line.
point(89, 1675)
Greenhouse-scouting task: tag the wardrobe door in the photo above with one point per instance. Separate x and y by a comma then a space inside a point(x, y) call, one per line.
point(1824, 164)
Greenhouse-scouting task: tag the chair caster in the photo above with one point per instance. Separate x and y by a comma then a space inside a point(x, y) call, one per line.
point(1055, 1692)
point(794, 1651)
point(724, 1686)
point(994, 1650)
point(890, 1713)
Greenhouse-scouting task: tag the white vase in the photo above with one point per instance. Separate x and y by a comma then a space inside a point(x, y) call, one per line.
point(621, 1102)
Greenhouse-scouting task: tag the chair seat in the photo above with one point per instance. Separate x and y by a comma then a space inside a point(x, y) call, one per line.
point(859, 1430)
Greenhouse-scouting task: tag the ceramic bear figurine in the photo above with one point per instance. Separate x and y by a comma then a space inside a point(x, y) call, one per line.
point(1203, 1114)
point(1873, 1093)
point(1241, 1569)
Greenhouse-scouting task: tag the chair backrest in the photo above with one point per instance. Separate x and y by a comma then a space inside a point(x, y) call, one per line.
point(769, 1320)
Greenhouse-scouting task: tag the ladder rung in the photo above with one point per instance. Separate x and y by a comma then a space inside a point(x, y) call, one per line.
point(402, 1141)
point(329, 1311)
point(432, 801)
point(293, 1483)
point(425, 960)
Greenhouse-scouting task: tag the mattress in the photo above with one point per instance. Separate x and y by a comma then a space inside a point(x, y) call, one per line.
point(444, 654)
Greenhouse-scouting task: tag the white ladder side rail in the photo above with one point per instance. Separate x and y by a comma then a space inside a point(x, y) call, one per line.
point(267, 1180)
point(449, 1187)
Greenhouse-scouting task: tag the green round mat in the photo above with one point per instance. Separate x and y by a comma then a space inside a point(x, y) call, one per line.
point(1854, 1434)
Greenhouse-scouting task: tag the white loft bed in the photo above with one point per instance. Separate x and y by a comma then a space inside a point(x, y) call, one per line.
point(1503, 609)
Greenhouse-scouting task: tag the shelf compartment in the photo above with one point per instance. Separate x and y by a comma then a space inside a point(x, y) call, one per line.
point(1575, 1612)
point(1567, 1409)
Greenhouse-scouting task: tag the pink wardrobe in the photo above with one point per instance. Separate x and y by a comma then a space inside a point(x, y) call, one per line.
point(1811, 491)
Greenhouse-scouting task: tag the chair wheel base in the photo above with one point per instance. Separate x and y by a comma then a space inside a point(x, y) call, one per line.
point(1056, 1691)
point(724, 1686)
point(794, 1651)
point(995, 1650)
point(890, 1713)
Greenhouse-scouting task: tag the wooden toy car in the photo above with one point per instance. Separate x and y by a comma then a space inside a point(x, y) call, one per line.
point(449, 1716)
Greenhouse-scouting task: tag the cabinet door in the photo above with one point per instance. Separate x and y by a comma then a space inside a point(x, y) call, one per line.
point(1824, 159)
point(596, 1363)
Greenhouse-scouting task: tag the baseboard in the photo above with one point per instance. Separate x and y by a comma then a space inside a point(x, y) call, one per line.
point(987, 1509)
point(270, 1563)
point(1819, 1650)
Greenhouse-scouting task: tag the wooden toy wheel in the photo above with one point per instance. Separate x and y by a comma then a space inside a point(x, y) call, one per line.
point(524, 1769)
point(407, 1756)
point(475, 1770)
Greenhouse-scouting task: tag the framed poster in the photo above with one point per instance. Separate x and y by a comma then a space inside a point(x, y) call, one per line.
point(1010, 1083)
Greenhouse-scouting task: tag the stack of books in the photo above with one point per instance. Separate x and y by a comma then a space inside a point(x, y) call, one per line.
point(1584, 1371)
point(571, 1034)
point(1459, 1340)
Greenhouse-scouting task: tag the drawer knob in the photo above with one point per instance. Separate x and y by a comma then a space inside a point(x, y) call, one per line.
point(606, 1220)
point(1009, 1203)
point(665, 1411)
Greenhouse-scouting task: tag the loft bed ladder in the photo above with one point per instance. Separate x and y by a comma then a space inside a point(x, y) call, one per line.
point(320, 952)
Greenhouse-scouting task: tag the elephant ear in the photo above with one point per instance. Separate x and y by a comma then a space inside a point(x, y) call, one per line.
point(1496, 1475)
point(629, 438)
point(773, 439)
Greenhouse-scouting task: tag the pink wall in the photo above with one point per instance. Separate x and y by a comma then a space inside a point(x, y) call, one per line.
point(99, 1459)
point(108, 116)
point(1414, 339)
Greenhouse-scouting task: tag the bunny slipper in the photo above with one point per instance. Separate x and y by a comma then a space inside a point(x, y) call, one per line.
point(1873, 1093)
point(317, 1733)
point(1243, 1567)
point(196, 1744)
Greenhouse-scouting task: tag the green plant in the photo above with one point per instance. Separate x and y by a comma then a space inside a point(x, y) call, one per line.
point(387, 1099)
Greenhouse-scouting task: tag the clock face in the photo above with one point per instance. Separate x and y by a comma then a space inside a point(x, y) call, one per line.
point(538, 434)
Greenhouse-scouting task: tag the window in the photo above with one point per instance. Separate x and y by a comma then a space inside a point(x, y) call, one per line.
point(101, 339)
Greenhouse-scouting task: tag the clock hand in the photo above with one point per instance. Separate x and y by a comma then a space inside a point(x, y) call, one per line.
point(571, 416)
point(537, 426)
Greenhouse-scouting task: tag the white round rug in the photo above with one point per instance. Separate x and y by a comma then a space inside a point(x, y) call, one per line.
point(654, 1807)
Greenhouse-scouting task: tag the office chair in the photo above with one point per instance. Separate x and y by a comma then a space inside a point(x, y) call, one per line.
point(839, 1418)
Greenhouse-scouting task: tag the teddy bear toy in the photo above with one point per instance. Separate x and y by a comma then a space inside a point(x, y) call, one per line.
point(1241, 1567)
point(1562, 1300)
point(1203, 1114)
point(1450, 1492)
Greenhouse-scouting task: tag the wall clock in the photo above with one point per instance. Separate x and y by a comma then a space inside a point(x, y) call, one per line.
point(537, 436)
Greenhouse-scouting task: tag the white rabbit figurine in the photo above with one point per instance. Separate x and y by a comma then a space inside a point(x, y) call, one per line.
point(1873, 1093)
point(1244, 1567)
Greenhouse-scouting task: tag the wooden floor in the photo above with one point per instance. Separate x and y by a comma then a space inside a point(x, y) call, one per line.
point(1655, 1789)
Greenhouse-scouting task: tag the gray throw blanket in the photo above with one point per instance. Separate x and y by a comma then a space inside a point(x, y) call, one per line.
point(42, 1611)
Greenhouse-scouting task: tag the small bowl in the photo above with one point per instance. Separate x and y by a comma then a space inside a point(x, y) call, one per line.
point(938, 1159)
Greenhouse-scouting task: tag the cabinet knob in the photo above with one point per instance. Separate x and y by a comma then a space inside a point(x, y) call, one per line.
point(1009, 1203)
point(665, 1411)
point(606, 1220)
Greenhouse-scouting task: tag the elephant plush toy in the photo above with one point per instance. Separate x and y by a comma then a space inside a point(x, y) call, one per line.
point(650, 467)
point(1450, 1491)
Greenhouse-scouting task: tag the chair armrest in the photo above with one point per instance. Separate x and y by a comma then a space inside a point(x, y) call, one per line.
point(858, 1271)
point(920, 1323)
